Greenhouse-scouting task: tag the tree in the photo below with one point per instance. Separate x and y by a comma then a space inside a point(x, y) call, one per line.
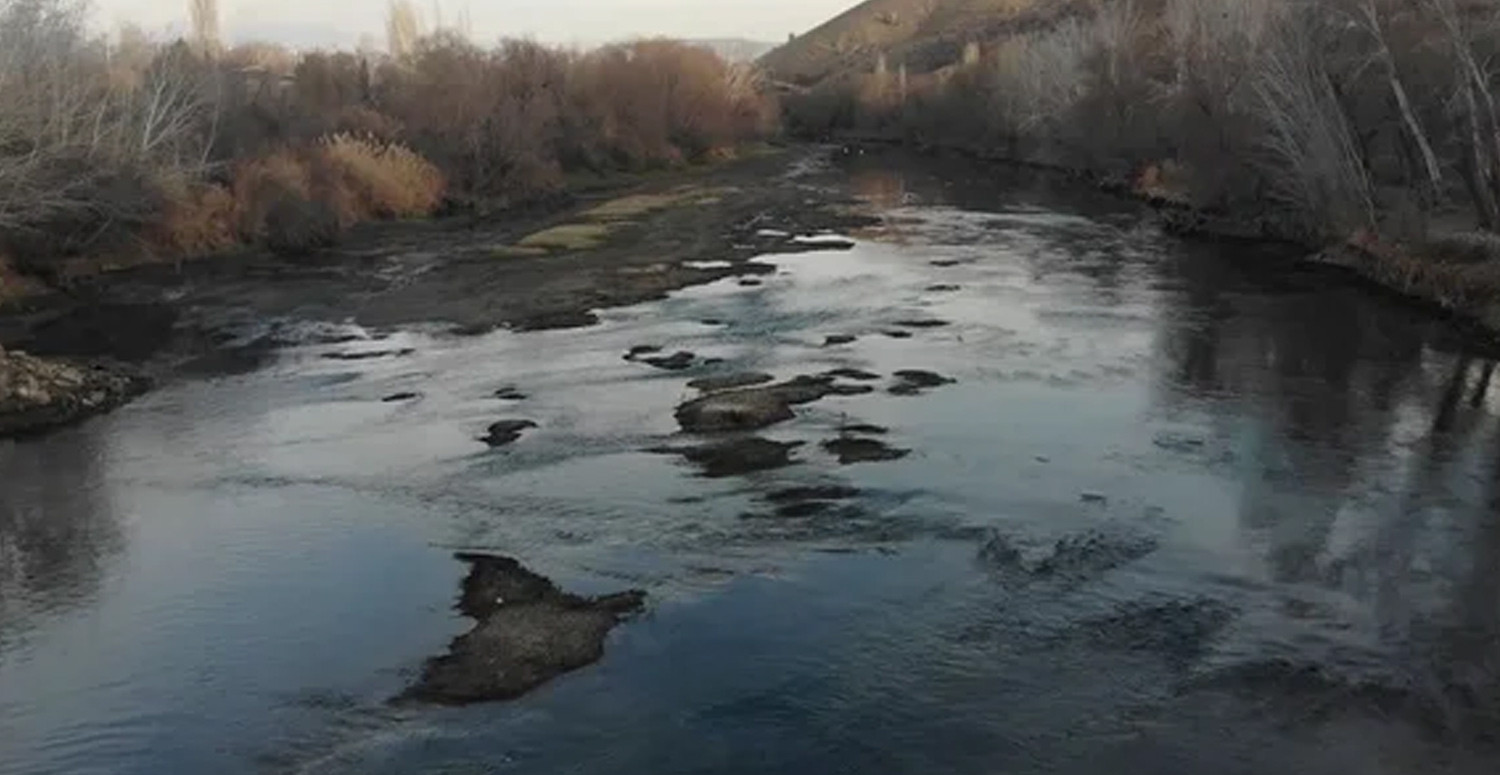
point(1477, 102)
point(205, 19)
point(403, 29)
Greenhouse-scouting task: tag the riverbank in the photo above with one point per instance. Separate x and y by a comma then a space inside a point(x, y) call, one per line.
point(614, 244)
point(1148, 461)
point(37, 394)
point(1456, 274)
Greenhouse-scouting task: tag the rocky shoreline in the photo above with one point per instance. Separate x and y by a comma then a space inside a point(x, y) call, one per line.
point(675, 230)
point(39, 394)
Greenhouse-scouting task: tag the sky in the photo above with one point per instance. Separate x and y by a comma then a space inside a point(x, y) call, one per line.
point(329, 22)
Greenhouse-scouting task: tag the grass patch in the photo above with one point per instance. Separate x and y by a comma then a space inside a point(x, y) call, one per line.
point(602, 220)
point(568, 236)
point(516, 251)
point(632, 206)
point(636, 205)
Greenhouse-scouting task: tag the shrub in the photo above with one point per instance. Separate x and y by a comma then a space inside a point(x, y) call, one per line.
point(262, 183)
point(197, 218)
point(373, 180)
point(186, 149)
point(297, 226)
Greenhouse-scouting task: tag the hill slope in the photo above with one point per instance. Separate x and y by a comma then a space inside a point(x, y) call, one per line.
point(922, 34)
point(734, 49)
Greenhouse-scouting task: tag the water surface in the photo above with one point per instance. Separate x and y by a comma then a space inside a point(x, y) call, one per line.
point(1187, 508)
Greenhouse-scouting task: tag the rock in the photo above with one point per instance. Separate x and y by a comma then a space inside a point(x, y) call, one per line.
point(856, 450)
point(752, 408)
point(999, 553)
point(526, 632)
point(1094, 553)
point(864, 429)
point(506, 432)
point(822, 492)
point(833, 340)
point(472, 329)
point(553, 321)
point(368, 355)
point(38, 394)
point(850, 390)
point(897, 334)
point(678, 361)
point(910, 382)
point(857, 375)
point(944, 288)
point(1177, 443)
point(801, 509)
point(510, 393)
point(922, 323)
point(738, 456)
point(734, 410)
point(641, 349)
point(399, 397)
point(730, 381)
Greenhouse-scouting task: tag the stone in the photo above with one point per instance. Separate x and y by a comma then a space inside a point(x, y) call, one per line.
point(526, 632)
point(505, 432)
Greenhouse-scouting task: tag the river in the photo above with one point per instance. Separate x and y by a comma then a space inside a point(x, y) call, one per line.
point(1185, 508)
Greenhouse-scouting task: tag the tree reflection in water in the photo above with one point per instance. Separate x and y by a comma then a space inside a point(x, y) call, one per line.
point(58, 528)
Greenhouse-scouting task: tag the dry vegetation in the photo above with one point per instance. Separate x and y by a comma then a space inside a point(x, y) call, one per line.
point(1360, 122)
point(131, 148)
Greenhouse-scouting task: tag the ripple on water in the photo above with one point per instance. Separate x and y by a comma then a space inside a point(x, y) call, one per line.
point(1287, 477)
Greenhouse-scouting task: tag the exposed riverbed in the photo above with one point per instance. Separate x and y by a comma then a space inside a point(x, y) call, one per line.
point(1113, 502)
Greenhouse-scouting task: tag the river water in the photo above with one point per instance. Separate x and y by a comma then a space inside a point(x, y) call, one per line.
point(1187, 508)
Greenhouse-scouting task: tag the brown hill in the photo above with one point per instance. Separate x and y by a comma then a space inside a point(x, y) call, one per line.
point(923, 35)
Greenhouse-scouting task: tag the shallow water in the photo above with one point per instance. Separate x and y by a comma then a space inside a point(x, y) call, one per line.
point(1186, 509)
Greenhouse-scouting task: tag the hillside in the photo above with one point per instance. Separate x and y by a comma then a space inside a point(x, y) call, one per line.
point(734, 49)
point(924, 35)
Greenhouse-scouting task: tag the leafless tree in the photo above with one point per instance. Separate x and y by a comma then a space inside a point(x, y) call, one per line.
point(204, 15)
point(403, 29)
point(1314, 162)
point(1371, 16)
point(1477, 105)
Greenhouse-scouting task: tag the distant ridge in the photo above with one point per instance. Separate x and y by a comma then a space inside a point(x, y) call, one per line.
point(735, 50)
point(923, 35)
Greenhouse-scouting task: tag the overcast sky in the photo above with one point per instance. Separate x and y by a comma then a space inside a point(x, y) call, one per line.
point(307, 22)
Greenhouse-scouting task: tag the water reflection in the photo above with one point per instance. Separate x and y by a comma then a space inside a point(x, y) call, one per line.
point(58, 530)
point(1358, 434)
point(1363, 446)
point(1241, 504)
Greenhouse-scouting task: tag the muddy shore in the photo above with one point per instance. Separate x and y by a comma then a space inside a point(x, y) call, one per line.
point(616, 245)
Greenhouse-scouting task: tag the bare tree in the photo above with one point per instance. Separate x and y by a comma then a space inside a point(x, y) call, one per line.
point(1370, 15)
point(1314, 163)
point(403, 29)
point(72, 137)
point(205, 19)
point(1477, 101)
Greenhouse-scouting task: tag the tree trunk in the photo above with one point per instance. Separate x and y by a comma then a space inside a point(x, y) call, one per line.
point(1403, 103)
point(1479, 169)
point(1483, 120)
point(1414, 126)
